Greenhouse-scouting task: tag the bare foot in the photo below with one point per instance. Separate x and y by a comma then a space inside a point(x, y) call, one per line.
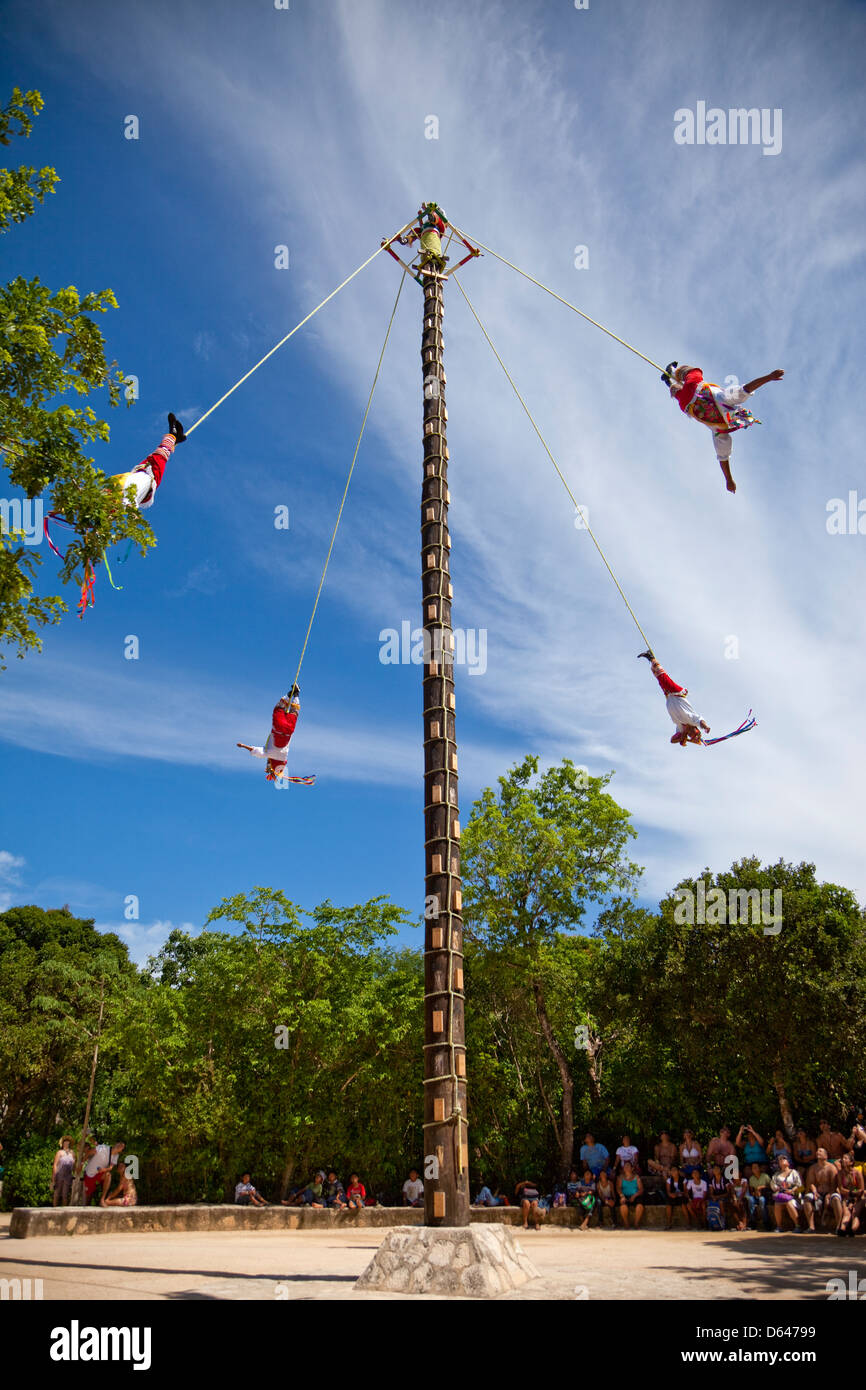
point(705, 726)
point(731, 485)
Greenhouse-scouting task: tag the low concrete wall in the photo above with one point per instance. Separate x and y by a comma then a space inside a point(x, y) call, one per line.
point(82, 1221)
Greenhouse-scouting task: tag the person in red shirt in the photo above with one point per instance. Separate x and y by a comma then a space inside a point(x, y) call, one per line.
point(688, 722)
point(720, 408)
point(146, 476)
point(283, 721)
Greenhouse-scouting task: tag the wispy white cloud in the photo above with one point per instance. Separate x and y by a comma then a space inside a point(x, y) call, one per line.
point(10, 878)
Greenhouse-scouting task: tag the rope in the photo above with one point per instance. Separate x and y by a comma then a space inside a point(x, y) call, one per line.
point(349, 478)
point(555, 464)
point(278, 345)
point(594, 322)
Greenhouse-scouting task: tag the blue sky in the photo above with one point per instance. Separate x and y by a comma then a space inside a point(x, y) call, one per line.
point(306, 127)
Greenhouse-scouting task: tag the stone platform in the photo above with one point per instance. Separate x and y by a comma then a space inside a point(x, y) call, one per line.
point(483, 1261)
point(28, 1222)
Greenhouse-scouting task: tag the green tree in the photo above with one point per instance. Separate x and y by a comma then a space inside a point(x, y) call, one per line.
point(746, 1019)
point(51, 350)
point(537, 857)
point(53, 967)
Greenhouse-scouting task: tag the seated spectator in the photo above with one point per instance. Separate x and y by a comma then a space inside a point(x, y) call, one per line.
point(760, 1193)
point(246, 1195)
point(586, 1198)
point(696, 1205)
point(528, 1195)
point(777, 1148)
point(606, 1197)
point(690, 1154)
point(334, 1192)
point(626, 1153)
point(717, 1199)
point(356, 1193)
point(313, 1194)
point(413, 1190)
point(750, 1141)
point(675, 1195)
point(785, 1183)
point(124, 1194)
point(559, 1196)
point(572, 1188)
point(805, 1151)
point(835, 1143)
point(491, 1197)
point(61, 1173)
point(100, 1159)
point(851, 1192)
point(593, 1156)
point(630, 1191)
point(738, 1197)
point(821, 1192)
point(665, 1156)
point(720, 1148)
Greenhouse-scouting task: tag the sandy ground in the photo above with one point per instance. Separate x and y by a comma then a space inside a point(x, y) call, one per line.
point(277, 1265)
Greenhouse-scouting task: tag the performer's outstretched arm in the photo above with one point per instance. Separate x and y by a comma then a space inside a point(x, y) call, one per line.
point(751, 386)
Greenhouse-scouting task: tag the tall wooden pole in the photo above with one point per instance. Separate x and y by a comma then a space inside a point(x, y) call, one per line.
point(446, 1147)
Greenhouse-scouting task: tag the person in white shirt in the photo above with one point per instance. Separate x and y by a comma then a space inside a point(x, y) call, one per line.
point(413, 1190)
point(101, 1158)
point(696, 1206)
point(626, 1153)
point(786, 1183)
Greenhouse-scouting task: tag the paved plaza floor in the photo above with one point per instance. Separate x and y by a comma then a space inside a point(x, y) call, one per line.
point(297, 1265)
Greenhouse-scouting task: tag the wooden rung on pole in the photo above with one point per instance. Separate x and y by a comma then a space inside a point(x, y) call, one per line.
point(457, 900)
point(431, 559)
point(434, 728)
point(458, 977)
point(438, 1021)
point(439, 1109)
point(460, 1064)
point(437, 938)
point(436, 864)
point(437, 791)
point(431, 610)
point(439, 1204)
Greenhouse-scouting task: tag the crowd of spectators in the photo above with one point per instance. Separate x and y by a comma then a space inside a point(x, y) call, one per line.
point(737, 1184)
point(102, 1172)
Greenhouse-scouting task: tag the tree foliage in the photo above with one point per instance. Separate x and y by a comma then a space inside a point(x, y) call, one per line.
point(51, 352)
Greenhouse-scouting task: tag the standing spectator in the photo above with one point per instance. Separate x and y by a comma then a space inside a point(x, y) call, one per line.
point(750, 1141)
point(805, 1152)
point(61, 1173)
point(821, 1196)
point(777, 1148)
point(760, 1192)
point(835, 1143)
point(720, 1148)
point(246, 1195)
point(528, 1196)
point(626, 1153)
point(858, 1141)
point(785, 1182)
point(101, 1158)
point(665, 1156)
point(413, 1190)
point(690, 1154)
point(593, 1156)
point(696, 1206)
point(675, 1195)
point(606, 1197)
point(124, 1194)
point(630, 1189)
point(356, 1193)
point(851, 1193)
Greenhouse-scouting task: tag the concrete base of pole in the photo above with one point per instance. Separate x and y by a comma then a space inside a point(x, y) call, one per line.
point(469, 1261)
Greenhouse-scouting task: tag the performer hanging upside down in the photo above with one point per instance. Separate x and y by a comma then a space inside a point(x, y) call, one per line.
point(689, 723)
point(276, 750)
point(720, 408)
point(146, 476)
